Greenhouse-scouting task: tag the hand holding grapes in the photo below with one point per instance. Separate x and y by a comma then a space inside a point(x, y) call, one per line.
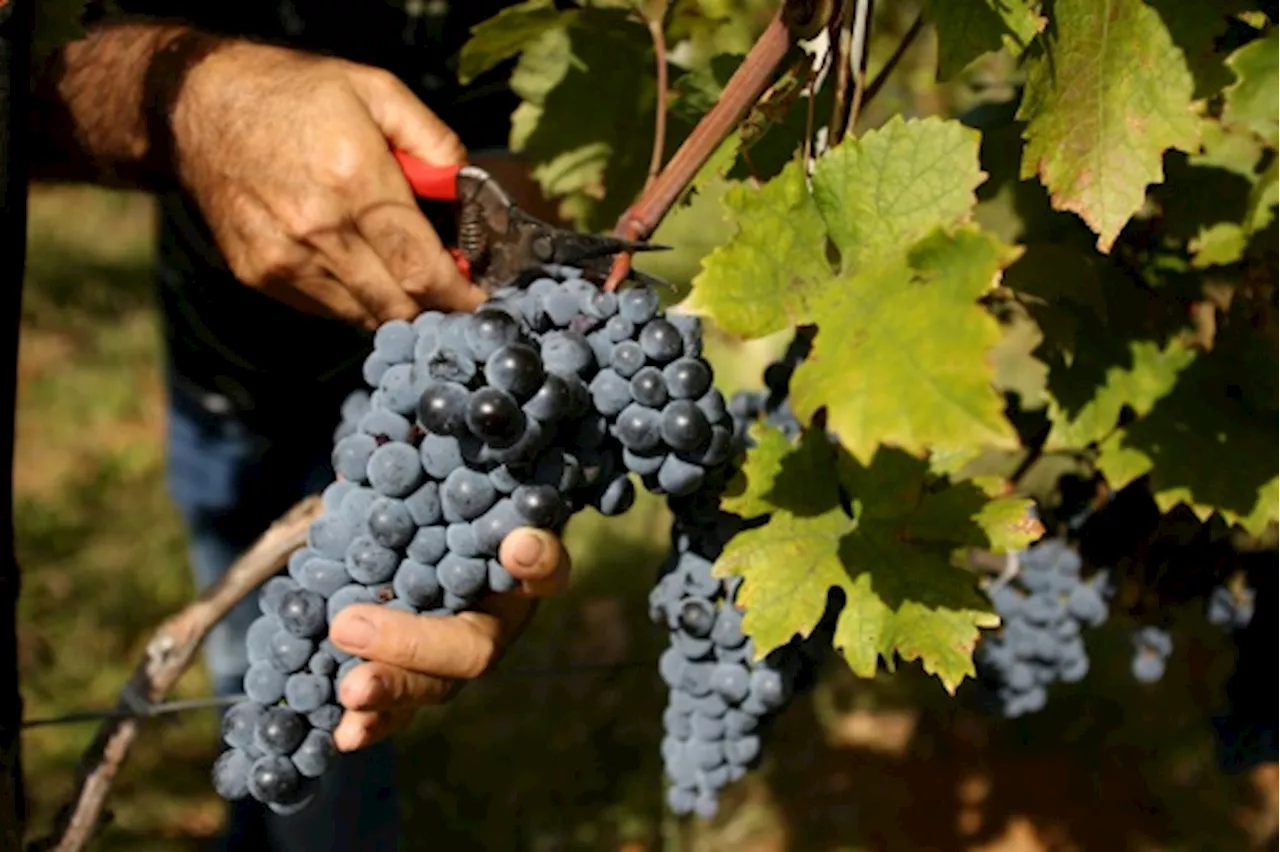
point(420, 660)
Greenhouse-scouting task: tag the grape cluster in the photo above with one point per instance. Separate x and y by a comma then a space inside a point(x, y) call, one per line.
point(1231, 610)
point(719, 695)
point(519, 414)
point(1043, 610)
point(1151, 649)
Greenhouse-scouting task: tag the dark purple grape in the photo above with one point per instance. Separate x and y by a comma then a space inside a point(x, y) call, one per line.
point(274, 779)
point(302, 613)
point(553, 401)
point(697, 617)
point(661, 341)
point(687, 378)
point(279, 731)
point(639, 428)
point(649, 388)
point(684, 426)
point(540, 505)
point(442, 409)
point(488, 330)
point(493, 416)
point(516, 369)
point(638, 304)
point(627, 358)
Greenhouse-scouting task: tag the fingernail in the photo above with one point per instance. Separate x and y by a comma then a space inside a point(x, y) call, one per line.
point(354, 632)
point(527, 550)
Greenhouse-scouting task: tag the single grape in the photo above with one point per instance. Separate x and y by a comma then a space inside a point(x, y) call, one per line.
point(442, 409)
point(627, 358)
point(315, 754)
point(416, 583)
point(466, 494)
point(427, 545)
point(610, 392)
point(488, 330)
point(684, 426)
point(567, 353)
point(517, 369)
point(279, 731)
point(661, 341)
point(638, 304)
point(539, 505)
point(231, 774)
point(305, 691)
point(273, 779)
point(687, 378)
point(494, 417)
point(394, 341)
point(239, 723)
point(649, 388)
point(302, 613)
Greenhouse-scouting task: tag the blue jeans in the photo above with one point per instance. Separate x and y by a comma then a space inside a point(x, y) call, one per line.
point(230, 481)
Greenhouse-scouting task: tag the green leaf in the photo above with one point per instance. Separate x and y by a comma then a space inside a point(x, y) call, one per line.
point(969, 28)
point(1210, 440)
point(1010, 524)
point(1218, 245)
point(1251, 101)
point(748, 490)
point(592, 151)
point(902, 596)
point(507, 34)
point(902, 354)
point(884, 191)
point(1104, 101)
point(766, 276)
point(1149, 374)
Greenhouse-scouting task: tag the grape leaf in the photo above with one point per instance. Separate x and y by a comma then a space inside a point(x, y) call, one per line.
point(746, 492)
point(969, 28)
point(902, 354)
point(1149, 374)
point(1104, 100)
point(591, 150)
point(1253, 100)
point(874, 196)
point(1210, 440)
point(766, 276)
point(882, 192)
point(902, 595)
point(508, 33)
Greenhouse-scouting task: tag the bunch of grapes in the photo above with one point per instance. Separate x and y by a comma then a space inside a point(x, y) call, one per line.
point(719, 694)
point(1043, 608)
point(522, 413)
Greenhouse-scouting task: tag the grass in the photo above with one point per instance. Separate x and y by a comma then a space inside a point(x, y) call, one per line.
point(544, 755)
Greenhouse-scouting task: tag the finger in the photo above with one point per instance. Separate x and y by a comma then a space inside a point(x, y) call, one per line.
point(321, 296)
point(536, 558)
point(362, 728)
point(457, 646)
point(377, 686)
point(405, 121)
point(414, 255)
point(354, 263)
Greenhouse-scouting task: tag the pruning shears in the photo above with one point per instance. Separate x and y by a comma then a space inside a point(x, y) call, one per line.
point(497, 241)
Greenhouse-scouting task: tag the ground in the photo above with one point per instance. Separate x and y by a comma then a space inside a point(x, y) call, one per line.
point(558, 750)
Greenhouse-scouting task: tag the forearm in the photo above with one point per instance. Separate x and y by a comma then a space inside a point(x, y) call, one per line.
point(102, 108)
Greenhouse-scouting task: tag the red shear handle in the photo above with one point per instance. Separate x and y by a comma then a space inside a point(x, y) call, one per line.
point(437, 183)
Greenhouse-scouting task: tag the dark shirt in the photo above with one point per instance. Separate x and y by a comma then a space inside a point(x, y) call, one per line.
point(270, 362)
point(15, 23)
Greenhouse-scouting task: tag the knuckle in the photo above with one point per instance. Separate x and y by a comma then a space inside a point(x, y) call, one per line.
point(271, 260)
point(344, 161)
point(306, 215)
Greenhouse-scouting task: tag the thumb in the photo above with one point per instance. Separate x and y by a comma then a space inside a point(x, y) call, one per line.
point(405, 121)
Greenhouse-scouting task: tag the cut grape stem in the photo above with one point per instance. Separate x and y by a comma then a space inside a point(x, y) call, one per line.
point(169, 653)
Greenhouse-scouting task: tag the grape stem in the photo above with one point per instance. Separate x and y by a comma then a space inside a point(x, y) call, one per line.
point(169, 653)
point(744, 89)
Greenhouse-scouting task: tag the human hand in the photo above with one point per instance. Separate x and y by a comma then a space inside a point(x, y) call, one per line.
point(418, 660)
point(289, 158)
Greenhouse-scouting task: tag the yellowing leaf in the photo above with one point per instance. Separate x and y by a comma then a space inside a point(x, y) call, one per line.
point(765, 278)
point(1104, 101)
point(747, 494)
point(902, 355)
point(1253, 100)
point(969, 28)
point(882, 192)
point(902, 597)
